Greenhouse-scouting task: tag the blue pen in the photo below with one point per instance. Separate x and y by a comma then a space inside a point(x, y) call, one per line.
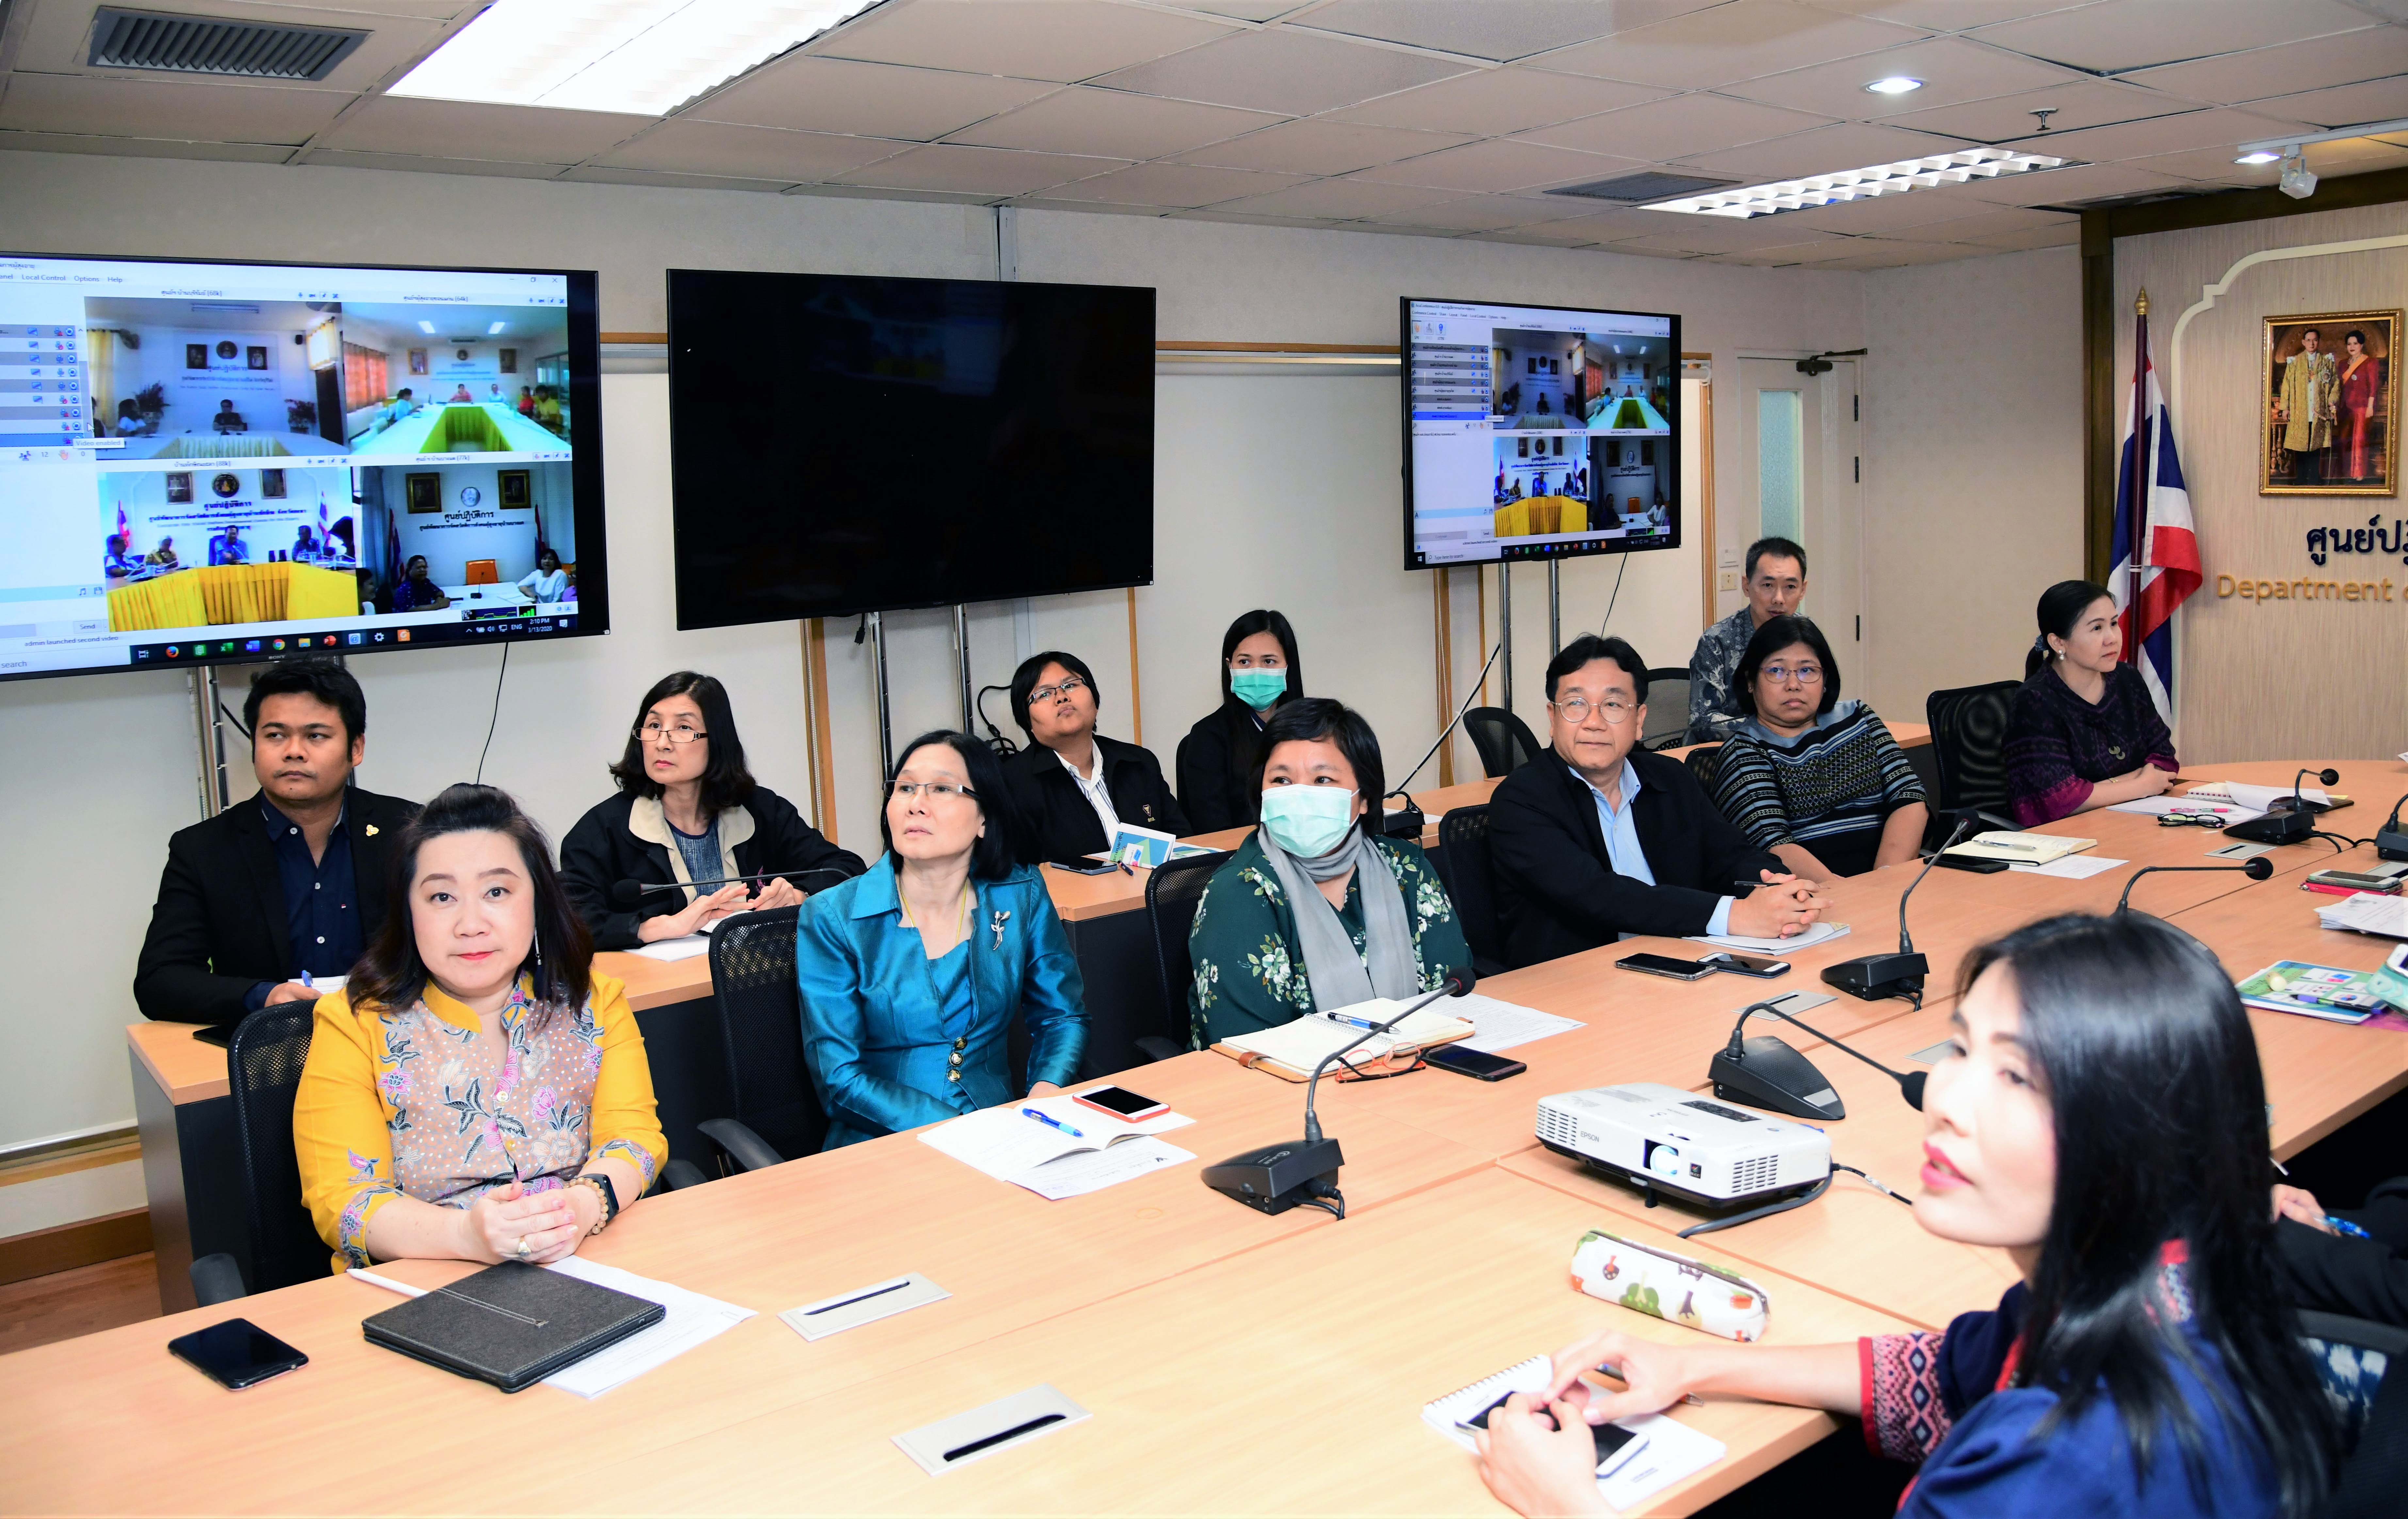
point(1051, 1123)
point(1356, 1023)
point(306, 982)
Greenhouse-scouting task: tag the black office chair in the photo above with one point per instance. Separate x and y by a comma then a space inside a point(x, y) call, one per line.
point(1171, 893)
point(1667, 708)
point(1504, 741)
point(263, 1067)
point(1968, 745)
point(1462, 861)
point(2375, 1467)
point(1703, 761)
point(778, 1115)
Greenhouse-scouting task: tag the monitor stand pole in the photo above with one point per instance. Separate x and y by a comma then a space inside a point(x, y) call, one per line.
point(211, 736)
point(886, 733)
point(1555, 608)
point(962, 653)
point(1505, 627)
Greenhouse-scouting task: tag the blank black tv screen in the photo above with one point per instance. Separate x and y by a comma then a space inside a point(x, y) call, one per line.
point(846, 443)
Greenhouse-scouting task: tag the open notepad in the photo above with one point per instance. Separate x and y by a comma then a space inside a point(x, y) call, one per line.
point(1299, 1045)
point(2020, 848)
point(1090, 1153)
point(1666, 1452)
point(1806, 938)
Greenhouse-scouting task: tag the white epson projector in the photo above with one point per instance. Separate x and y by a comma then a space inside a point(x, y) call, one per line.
point(1661, 1138)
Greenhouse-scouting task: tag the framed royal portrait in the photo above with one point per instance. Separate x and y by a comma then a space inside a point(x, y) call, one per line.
point(424, 493)
point(2330, 405)
point(271, 484)
point(179, 488)
point(517, 491)
point(418, 360)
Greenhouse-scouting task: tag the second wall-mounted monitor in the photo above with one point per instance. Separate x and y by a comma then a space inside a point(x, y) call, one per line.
point(1538, 432)
point(846, 443)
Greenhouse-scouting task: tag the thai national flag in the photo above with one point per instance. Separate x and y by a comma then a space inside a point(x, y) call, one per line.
point(2156, 548)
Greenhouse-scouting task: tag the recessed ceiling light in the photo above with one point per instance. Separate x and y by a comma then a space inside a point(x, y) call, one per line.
point(645, 57)
point(495, 327)
point(1845, 185)
point(1897, 84)
point(426, 327)
point(2260, 156)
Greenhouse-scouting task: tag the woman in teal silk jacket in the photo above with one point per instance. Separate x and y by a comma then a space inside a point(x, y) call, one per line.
point(913, 973)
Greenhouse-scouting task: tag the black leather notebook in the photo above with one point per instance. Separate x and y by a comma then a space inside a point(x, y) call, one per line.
point(512, 1324)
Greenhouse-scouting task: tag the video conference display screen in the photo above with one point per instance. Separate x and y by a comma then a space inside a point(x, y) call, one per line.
point(843, 443)
point(1538, 432)
point(208, 462)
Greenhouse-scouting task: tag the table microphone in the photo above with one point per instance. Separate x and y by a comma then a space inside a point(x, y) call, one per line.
point(1873, 977)
point(2256, 869)
point(1278, 1177)
point(629, 893)
point(2291, 820)
point(2389, 842)
point(1766, 1072)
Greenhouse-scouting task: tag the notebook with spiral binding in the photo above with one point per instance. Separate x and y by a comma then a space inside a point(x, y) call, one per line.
point(512, 1324)
point(1667, 1450)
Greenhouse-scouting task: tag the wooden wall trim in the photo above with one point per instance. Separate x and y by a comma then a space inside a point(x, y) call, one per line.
point(1705, 526)
point(67, 1246)
point(2181, 215)
point(817, 727)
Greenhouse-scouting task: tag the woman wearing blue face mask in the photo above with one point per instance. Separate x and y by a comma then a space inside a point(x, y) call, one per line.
point(1315, 911)
point(1221, 757)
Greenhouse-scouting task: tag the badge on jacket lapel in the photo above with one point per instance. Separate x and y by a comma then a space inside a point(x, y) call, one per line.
point(994, 926)
point(371, 830)
point(1148, 811)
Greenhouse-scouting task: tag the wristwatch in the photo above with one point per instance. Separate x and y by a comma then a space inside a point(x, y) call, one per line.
point(604, 1190)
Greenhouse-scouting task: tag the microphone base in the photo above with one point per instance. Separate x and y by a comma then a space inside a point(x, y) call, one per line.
point(1874, 977)
point(2390, 845)
point(1277, 1177)
point(1773, 1076)
point(2283, 827)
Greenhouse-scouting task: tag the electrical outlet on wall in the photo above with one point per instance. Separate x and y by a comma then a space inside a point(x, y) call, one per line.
point(1728, 581)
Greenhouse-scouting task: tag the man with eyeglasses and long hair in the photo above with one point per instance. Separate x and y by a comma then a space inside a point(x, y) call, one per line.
point(1599, 840)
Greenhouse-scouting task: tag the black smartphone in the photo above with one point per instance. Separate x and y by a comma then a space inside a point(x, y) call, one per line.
point(1082, 867)
point(237, 1354)
point(1745, 965)
point(1969, 862)
point(1664, 965)
point(220, 1035)
point(1610, 1438)
point(1477, 1063)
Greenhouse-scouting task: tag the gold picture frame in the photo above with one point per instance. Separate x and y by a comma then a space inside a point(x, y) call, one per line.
point(2330, 411)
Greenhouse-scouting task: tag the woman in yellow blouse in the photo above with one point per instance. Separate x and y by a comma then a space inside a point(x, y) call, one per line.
point(474, 1091)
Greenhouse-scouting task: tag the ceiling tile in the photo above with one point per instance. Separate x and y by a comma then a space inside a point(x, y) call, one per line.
point(1848, 145)
point(1600, 223)
point(1951, 69)
point(153, 107)
point(1222, 214)
point(1289, 72)
point(2354, 155)
point(457, 129)
point(1498, 165)
point(2234, 78)
point(2073, 186)
point(874, 100)
point(1183, 185)
point(759, 152)
point(1083, 119)
point(1891, 253)
point(999, 172)
point(1722, 233)
point(1547, 237)
point(1473, 213)
point(60, 142)
point(2216, 126)
point(1036, 39)
point(1792, 253)
point(2063, 234)
point(1742, 40)
point(1887, 214)
point(1087, 208)
point(1246, 10)
point(1666, 129)
point(1988, 221)
point(849, 192)
point(2200, 168)
point(2122, 35)
point(1946, 15)
point(1338, 198)
point(595, 174)
point(1321, 146)
point(2071, 107)
point(414, 164)
point(1494, 101)
point(57, 38)
point(1540, 206)
point(2348, 105)
point(1501, 30)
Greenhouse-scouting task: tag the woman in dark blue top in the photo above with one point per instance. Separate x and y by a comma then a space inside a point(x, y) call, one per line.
point(2145, 1365)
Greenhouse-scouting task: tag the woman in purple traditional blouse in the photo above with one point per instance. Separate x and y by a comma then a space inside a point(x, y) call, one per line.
point(2083, 731)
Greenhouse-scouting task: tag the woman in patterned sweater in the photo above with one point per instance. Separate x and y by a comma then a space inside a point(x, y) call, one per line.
point(2146, 1364)
point(1316, 911)
point(1818, 782)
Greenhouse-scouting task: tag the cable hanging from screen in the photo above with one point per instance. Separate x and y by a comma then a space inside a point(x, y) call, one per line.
point(500, 676)
point(1407, 780)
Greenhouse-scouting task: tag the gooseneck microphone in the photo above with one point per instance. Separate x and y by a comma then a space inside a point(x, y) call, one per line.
point(629, 893)
point(1766, 1072)
point(2256, 869)
point(2291, 820)
point(1279, 1177)
point(1873, 977)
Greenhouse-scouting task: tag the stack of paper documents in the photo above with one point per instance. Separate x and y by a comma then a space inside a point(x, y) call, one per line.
point(2260, 798)
point(1502, 1025)
point(1815, 933)
point(2070, 867)
point(2190, 805)
point(2020, 848)
point(1081, 1151)
point(2366, 913)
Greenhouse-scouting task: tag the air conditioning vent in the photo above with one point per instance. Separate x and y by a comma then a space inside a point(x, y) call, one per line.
point(1636, 188)
point(213, 45)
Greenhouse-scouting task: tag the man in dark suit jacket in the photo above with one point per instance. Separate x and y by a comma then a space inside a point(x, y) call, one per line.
point(1070, 776)
point(287, 883)
point(1597, 837)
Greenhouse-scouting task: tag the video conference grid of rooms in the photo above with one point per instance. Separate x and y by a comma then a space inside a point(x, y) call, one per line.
point(213, 460)
point(1540, 433)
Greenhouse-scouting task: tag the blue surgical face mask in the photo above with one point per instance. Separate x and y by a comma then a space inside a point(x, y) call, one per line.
point(1258, 688)
point(1308, 821)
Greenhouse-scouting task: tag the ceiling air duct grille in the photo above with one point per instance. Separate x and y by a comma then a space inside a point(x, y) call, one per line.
point(1634, 189)
point(211, 45)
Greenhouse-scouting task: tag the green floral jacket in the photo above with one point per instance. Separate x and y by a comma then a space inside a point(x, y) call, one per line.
point(1249, 968)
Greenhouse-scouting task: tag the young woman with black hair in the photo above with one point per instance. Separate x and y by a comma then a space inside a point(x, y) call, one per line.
point(689, 811)
point(1218, 759)
point(914, 972)
point(2083, 731)
point(477, 1091)
point(2145, 1365)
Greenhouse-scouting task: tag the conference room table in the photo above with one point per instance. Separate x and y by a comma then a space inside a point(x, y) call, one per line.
point(1232, 1362)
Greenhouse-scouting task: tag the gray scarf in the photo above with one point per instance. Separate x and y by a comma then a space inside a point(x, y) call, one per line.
point(1337, 973)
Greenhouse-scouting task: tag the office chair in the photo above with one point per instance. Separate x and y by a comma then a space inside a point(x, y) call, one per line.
point(264, 1068)
point(1703, 761)
point(1968, 745)
point(484, 572)
point(1171, 893)
point(2374, 1465)
point(1667, 708)
point(1462, 861)
point(1504, 741)
point(778, 1114)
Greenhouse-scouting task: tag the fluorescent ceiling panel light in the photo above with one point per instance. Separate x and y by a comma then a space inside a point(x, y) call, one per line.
point(2260, 156)
point(1897, 84)
point(639, 57)
point(1838, 188)
point(495, 327)
point(426, 327)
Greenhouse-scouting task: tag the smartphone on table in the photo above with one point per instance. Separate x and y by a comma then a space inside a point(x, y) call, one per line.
point(1477, 1063)
point(1664, 965)
point(237, 1354)
point(1746, 964)
point(1614, 1444)
point(1121, 1103)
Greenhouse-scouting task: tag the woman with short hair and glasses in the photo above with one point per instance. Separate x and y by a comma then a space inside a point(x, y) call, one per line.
point(689, 811)
point(913, 973)
point(1817, 781)
point(1075, 787)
